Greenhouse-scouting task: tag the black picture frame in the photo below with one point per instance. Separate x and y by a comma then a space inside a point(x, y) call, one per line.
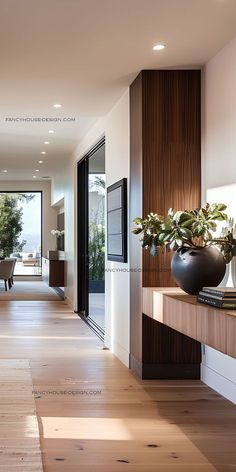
point(117, 221)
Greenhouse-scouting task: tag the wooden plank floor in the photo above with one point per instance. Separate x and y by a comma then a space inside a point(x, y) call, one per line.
point(94, 415)
point(19, 432)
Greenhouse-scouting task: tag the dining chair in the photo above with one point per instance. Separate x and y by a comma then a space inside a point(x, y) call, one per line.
point(12, 259)
point(6, 268)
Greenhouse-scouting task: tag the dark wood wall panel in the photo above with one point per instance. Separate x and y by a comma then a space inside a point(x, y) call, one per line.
point(165, 150)
point(171, 153)
point(169, 346)
point(167, 353)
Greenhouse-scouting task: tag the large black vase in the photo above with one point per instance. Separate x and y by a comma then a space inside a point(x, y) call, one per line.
point(194, 268)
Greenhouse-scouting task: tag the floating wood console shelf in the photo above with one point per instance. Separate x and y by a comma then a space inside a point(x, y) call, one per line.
point(53, 272)
point(181, 312)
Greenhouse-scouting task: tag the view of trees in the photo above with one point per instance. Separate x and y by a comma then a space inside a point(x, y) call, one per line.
point(11, 222)
point(97, 231)
point(96, 252)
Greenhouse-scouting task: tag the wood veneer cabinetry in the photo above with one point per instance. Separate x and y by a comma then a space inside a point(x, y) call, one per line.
point(165, 171)
point(53, 272)
point(181, 312)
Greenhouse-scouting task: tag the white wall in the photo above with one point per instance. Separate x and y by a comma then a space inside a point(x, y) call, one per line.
point(49, 213)
point(62, 192)
point(115, 127)
point(219, 171)
point(117, 167)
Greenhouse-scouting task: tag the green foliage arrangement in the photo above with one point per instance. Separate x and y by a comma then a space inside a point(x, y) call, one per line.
point(187, 229)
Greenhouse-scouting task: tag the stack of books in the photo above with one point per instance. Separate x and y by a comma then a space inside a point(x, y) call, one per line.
point(220, 297)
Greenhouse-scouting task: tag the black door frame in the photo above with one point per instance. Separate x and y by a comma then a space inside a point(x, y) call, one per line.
point(83, 239)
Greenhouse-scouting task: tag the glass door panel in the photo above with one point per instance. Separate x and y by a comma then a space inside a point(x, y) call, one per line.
point(96, 238)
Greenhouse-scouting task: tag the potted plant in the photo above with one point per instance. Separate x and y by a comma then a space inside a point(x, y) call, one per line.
point(200, 258)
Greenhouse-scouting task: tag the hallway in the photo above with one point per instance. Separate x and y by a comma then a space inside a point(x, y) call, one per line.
point(95, 415)
point(28, 290)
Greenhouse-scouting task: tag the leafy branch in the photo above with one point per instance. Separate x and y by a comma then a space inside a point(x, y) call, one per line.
point(179, 229)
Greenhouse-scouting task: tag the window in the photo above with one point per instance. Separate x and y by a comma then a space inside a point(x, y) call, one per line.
point(21, 230)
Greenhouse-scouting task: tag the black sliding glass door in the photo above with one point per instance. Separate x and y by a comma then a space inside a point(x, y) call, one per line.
point(91, 238)
point(82, 243)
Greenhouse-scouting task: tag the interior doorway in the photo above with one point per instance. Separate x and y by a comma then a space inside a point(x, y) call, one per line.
point(21, 231)
point(91, 238)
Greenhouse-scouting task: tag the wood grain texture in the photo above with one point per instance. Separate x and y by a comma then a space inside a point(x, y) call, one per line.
point(19, 432)
point(178, 355)
point(171, 153)
point(134, 425)
point(231, 336)
point(153, 300)
point(28, 290)
point(211, 326)
point(165, 156)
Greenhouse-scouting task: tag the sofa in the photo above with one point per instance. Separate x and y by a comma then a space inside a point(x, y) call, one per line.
point(27, 258)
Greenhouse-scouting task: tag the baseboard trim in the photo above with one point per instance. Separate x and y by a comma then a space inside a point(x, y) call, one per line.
point(121, 353)
point(59, 292)
point(135, 365)
point(164, 371)
point(217, 382)
point(69, 302)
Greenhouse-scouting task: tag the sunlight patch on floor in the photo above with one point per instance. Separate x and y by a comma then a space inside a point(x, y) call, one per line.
point(112, 429)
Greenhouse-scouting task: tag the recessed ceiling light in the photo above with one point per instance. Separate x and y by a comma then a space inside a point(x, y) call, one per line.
point(158, 47)
point(46, 142)
point(36, 170)
point(40, 162)
point(43, 152)
point(51, 131)
point(5, 171)
point(57, 105)
point(34, 176)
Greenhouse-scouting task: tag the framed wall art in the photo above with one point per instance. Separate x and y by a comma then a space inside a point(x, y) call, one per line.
point(117, 221)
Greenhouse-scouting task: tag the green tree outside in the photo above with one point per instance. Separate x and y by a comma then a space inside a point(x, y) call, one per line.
point(97, 237)
point(11, 222)
point(96, 252)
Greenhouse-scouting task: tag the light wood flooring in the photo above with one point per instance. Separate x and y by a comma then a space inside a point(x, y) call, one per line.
point(94, 415)
point(29, 290)
point(19, 432)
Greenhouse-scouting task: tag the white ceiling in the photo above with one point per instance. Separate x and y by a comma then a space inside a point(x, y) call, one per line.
point(83, 54)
